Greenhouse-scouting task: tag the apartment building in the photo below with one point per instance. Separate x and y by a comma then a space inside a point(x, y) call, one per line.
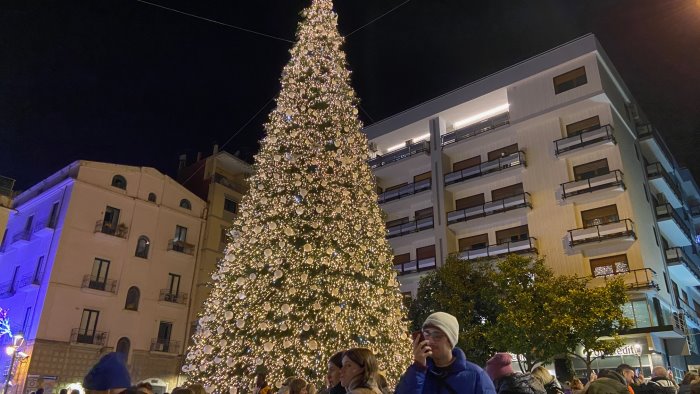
point(552, 157)
point(6, 193)
point(100, 257)
point(220, 180)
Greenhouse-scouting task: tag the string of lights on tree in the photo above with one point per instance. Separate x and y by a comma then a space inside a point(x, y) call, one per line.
point(308, 271)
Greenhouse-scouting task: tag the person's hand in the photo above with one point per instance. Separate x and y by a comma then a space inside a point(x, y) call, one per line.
point(421, 351)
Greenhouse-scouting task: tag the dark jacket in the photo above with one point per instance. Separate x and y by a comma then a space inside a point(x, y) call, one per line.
point(662, 385)
point(554, 387)
point(519, 383)
point(462, 377)
point(612, 383)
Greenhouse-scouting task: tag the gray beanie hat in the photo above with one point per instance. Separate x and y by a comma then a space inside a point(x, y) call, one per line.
point(445, 322)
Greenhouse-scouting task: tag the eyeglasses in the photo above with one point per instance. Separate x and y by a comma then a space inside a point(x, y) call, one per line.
point(434, 334)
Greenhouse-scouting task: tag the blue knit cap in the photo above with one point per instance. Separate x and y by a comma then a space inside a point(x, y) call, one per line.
point(109, 373)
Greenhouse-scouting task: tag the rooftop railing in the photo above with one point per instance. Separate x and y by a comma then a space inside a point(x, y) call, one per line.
point(400, 154)
point(603, 133)
point(405, 191)
point(415, 266)
point(489, 208)
point(617, 229)
point(522, 246)
point(410, 227)
point(6, 186)
point(611, 179)
point(501, 163)
point(475, 129)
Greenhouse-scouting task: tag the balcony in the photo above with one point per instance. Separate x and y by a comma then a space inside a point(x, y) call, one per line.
point(410, 227)
point(166, 295)
point(7, 289)
point(683, 266)
point(415, 266)
point(621, 230)
point(689, 312)
point(22, 237)
point(490, 208)
point(653, 145)
point(476, 129)
point(165, 346)
point(638, 279)
point(181, 247)
point(502, 163)
point(400, 154)
point(29, 282)
point(100, 284)
point(405, 191)
point(235, 186)
point(673, 224)
point(606, 184)
point(602, 135)
point(89, 337)
point(664, 183)
point(695, 211)
point(121, 230)
point(504, 248)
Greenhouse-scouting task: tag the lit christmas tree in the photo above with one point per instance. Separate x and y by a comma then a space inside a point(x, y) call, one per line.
point(309, 270)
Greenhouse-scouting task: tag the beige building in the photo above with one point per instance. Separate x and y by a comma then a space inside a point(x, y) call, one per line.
point(220, 180)
point(6, 193)
point(553, 157)
point(100, 257)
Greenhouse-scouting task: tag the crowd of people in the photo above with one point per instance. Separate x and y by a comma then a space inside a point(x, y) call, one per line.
point(439, 367)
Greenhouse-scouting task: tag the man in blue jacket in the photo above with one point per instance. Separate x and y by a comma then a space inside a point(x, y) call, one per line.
point(439, 367)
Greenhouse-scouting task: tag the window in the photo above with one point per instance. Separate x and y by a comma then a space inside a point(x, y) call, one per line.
point(475, 242)
point(123, 346)
point(28, 224)
point(132, 299)
point(142, 246)
point(515, 234)
point(425, 253)
point(173, 284)
point(88, 326)
point(165, 330)
point(468, 163)
point(598, 216)
point(424, 213)
point(591, 170)
point(570, 80)
point(53, 216)
point(230, 205)
point(397, 222)
point(423, 176)
point(152, 197)
point(503, 152)
point(110, 221)
point(223, 240)
point(469, 202)
point(39, 271)
point(676, 295)
point(185, 203)
point(26, 324)
point(402, 259)
point(610, 265)
point(98, 277)
point(639, 312)
point(180, 234)
point(582, 126)
point(508, 191)
point(119, 181)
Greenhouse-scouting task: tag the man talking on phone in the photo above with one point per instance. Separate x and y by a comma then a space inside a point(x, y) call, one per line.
point(438, 366)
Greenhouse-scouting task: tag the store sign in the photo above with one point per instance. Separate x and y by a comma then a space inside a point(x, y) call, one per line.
point(626, 350)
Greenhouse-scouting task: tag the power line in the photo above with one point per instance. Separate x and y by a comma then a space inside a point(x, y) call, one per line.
point(376, 19)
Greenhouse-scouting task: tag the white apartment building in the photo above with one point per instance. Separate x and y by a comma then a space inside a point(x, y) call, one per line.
point(100, 257)
point(550, 157)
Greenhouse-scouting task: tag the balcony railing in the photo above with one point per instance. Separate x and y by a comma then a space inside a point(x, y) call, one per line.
point(165, 346)
point(604, 133)
point(415, 266)
point(502, 163)
point(679, 256)
point(89, 337)
point(647, 130)
point(101, 284)
point(504, 248)
point(405, 191)
point(665, 211)
point(6, 186)
point(24, 235)
point(31, 279)
point(642, 278)
point(490, 208)
point(477, 128)
point(181, 247)
point(600, 182)
point(222, 180)
point(400, 154)
point(167, 295)
point(121, 230)
point(410, 227)
point(656, 170)
point(619, 229)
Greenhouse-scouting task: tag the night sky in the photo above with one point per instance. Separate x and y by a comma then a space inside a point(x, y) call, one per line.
point(130, 83)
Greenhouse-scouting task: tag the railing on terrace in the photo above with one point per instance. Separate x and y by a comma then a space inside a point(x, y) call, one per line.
point(181, 247)
point(502, 163)
point(618, 229)
point(405, 191)
point(102, 284)
point(165, 346)
point(118, 230)
point(665, 211)
point(222, 180)
point(415, 266)
point(89, 337)
point(679, 256)
point(490, 208)
point(400, 154)
point(647, 130)
point(6, 186)
point(24, 235)
point(604, 133)
point(611, 179)
point(176, 298)
point(410, 227)
point(523, 246)
point(475, 129)
point(642, 278)
point(655, 170)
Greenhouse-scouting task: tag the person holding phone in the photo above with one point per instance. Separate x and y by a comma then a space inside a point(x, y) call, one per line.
point(439, 367)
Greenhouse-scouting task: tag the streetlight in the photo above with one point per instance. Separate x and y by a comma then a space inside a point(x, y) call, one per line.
point(13, 350)
point(638, 350)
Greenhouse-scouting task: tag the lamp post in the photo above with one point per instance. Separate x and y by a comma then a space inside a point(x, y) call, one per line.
point(638, 350)
point(13, 350)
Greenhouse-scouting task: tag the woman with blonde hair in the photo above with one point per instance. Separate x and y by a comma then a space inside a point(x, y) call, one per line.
point(550, 383)
point(359, 372)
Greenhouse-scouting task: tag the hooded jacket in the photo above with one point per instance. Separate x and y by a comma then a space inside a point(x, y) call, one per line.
point(519, 383)
point(461, 377)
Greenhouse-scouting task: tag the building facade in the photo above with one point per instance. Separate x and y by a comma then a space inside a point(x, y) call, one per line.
point(100, 257)
point(552, 157)
point(6, 194)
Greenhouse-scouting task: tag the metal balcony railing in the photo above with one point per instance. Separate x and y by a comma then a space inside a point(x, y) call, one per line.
point(410, 227)
point(165, 346)
point(490, 208)
point(689, 312)
point(666, 211)
point(623, 228)
point(637, 279)
point(405, 191)
point(222, 180)
point(600, 182)
point(181, 247)
point(475, 129)
point(24, 235)
point(400, 154)
point(101, 284)
point(647, 130)
point(415, 266)
point(90, 337)
point(167, 295)
point(502, 163)
point(656, 170)
point(680, 256)
point(121, 230)
point(523, 246)
point(604, 133)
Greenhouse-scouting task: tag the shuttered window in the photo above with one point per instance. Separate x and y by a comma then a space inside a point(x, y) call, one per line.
point(468, 163)
point(424, 213)
point(468, 202)
point(602, 215)
point(505, 151)
point(610, 265)
point(513, 234)
point(426, 252)
point(402, 258)
point(591, 170)
point(570, 80)
point(420, 177)
point(582, 126)
point(475, 242)
point(508, 191)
